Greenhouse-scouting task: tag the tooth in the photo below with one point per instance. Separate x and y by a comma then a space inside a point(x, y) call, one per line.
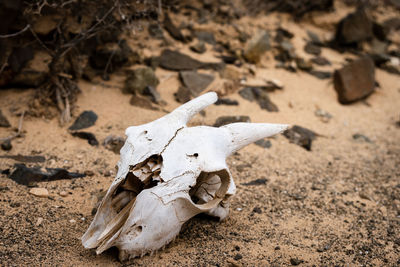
point(156, 167)
point(115, 224)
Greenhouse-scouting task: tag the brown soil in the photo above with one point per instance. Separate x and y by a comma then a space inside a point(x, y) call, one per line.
point(338, 205)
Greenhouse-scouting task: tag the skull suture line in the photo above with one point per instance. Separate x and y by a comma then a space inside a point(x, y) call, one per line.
point(167, 174)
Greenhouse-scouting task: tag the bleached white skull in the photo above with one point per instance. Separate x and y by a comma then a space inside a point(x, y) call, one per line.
point(167, 174)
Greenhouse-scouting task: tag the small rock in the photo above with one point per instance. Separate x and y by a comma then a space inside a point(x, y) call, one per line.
point(183, 95)
point(63, 193)
point(303, 64)
point(322, 75)
point(91, 138)
point(174, 31)
point(277, 248)
point(174, 60)
point(226, 101)
point(152, 93)
point(230, 119)
point(312, 49)
point(114, 143)
point(354, 28)
point(300, 136)
point(85, 120)
point(361, 138)
point(72, 221)
point(323, 115)
point(262, 98)
point(295, 261)
point(28, 176)
point(196, 82)
point(137, 80)
point(256, 47)
point(205, 36)
point(260, 181)
point(238, 257)
point(142, 102)
point(321, 61)
point(263, 143)
point(198, 47)
point(6, 145)
point(3, 120)
point(314, 38)
point(355, 81)
point(39, 192)
point(39, 221)
point(257, 210)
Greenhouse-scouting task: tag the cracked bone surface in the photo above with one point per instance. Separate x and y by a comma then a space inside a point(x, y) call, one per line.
point(167, 174)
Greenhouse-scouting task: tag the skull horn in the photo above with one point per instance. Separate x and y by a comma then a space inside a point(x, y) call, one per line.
point(242, 134)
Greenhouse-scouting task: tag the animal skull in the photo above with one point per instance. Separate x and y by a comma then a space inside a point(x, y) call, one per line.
point(167, 174)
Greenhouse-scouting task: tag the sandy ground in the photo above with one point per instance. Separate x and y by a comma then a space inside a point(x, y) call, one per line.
point(337, 205)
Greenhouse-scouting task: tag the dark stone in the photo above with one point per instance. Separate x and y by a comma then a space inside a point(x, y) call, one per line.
point(226, 101)
point(282, 32)
point(263, 143)
point(156, 31)
point(321, 61)
point(257, 210)
point(224, 120)
point(300, 136)
point(199, 47)
point(205, 36)
point(354, 28)
point(247, 93)
point(256, 47)
point(142, 102)
point(153, 95)
point(355, 81)
point(195, 82)
point(323, 75)
point(303, 64)
point(392, 23)
point(259, 95)
point(85, 120)
point(238, 257)
point(361, 138)
point(183, 95)
point(314, 38)
point(91, 138)
point(3, 120)
point(114, 143)
point(6, 145)
point(174, 60)
point(139, 79)
point(264, 101)
point(29, 176)
point(229, 59)
point(260, 181)
point(312, 49)
point(295, 261)
point(26, 159)
point(174, 31)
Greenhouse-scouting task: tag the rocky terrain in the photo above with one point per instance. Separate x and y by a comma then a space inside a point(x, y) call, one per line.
point(325, 193)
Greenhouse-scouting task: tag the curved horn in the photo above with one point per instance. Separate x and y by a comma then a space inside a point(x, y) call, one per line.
point(242, 134)
point(191, 108)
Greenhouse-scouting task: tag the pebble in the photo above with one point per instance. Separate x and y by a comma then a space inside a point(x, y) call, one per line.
point(39, 221)
point(6, 145)
point(39, 192)
point(63, 193)
point(72, 221)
